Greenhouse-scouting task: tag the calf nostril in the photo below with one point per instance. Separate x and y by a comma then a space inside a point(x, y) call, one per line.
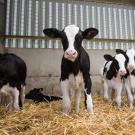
point(74, 53)
point(123, 72)
point(131, 66)
point(67, 53)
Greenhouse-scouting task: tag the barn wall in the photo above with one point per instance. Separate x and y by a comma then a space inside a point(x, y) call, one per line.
point(30, 17)
point(44, 68)
point(2, 19)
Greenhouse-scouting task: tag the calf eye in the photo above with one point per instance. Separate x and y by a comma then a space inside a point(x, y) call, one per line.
point(78, 39)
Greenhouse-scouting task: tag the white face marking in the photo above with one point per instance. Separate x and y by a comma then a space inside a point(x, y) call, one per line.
point(121, 60)
point(71, 31)
point(131, 55)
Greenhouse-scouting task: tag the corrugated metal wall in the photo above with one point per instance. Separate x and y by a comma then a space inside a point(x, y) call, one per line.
point(30, 17)
point(2, 20)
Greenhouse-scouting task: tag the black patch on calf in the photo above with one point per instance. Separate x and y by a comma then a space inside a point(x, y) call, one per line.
point(113, 70)
point(37, 96)
point(133, 72)
point(68, 67)
point(13, 71)
point(108, 57)
point(52, 32)
point(90, 33)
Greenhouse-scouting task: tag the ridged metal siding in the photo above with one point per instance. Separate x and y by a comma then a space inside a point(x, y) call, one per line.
point(2, 20)
point(30, 17)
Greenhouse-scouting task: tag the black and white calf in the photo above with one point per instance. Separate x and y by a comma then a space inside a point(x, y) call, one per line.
point(113, 72)
point(75, 65)
point(129, 79)
point(37, 96)
point(12, 79)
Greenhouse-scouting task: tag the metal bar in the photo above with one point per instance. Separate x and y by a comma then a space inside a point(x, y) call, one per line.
point(47, 38)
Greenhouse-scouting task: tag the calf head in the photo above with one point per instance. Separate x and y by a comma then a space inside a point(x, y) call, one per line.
point(130, 56)
point(118, 64)
point(131, 63)
point(71, 37)
point(34, 94)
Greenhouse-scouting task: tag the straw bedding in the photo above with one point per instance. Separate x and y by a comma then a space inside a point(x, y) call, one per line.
point(47, 119)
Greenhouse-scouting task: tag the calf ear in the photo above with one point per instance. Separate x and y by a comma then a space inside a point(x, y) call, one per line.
point(90, 33)
point(52, 32)
point(120, 51)
point(108, 57)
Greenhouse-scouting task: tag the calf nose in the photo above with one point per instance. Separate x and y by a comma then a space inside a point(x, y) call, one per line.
point(123, 72)
point(131, 66)
point(71, 53)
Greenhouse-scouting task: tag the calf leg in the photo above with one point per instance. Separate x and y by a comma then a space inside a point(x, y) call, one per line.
point(77, 99)
point(129, 94)
point(133, 94)
point(105, 90)
point(66, 97)
point(118, 91)
point(15, 94)
point(88, 98)
point(22, 96)
point(10, 105)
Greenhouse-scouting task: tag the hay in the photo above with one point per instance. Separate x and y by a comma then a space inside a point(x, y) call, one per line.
point(43, 118)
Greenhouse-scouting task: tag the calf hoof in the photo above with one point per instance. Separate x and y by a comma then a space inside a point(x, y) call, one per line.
point(66, 110)
point(11, 109)
point(16, 108)
point(90, 110)
point(106, 98)
point(131, 106)
point(77, 111)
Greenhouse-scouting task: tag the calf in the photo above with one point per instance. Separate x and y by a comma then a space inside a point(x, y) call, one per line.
point(113, 72)
point(75, 65)
point(129, 78)
point(12, 79)
point(37, 96)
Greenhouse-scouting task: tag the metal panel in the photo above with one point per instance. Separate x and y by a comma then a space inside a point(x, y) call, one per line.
point(30, 17)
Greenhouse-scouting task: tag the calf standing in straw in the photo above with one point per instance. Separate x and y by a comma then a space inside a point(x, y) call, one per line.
point(130, 76)
point(113, 72)
point(75, 65)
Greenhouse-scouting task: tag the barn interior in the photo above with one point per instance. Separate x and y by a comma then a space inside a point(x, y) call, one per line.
point(21, 32)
